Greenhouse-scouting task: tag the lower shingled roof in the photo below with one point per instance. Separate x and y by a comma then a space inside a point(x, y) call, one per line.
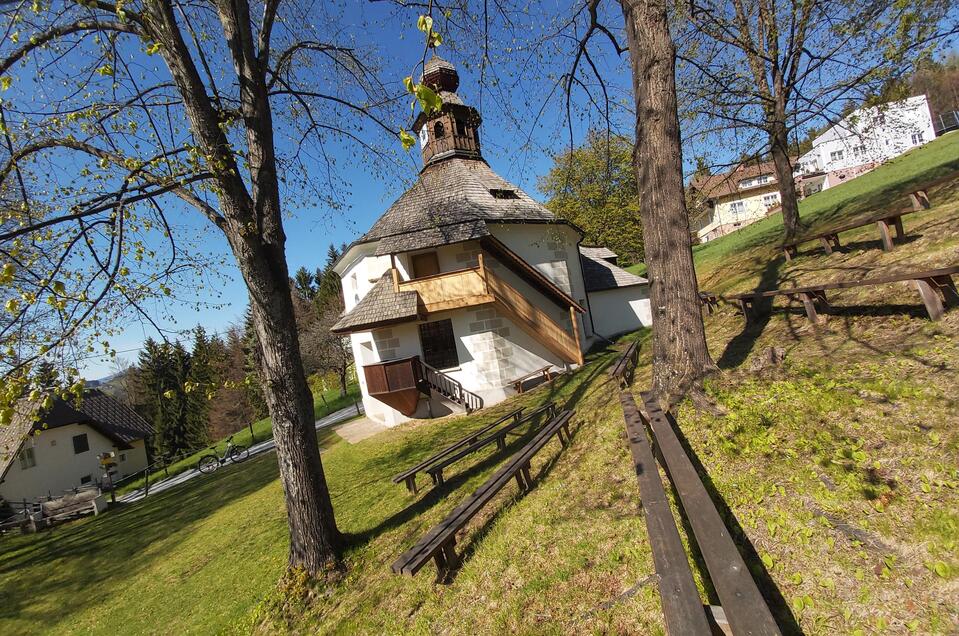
point(381, 305)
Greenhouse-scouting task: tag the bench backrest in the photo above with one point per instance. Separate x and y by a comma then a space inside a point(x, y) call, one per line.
point(472, 437)
point(547, 410)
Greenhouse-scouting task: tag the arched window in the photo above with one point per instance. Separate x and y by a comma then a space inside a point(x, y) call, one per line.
point(439, 131)
point(460, 128)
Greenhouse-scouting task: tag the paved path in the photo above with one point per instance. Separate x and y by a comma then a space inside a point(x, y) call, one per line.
point(359, 429)
point(262, 447)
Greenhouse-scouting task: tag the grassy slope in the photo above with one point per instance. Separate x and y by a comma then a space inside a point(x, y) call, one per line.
point(839, 467)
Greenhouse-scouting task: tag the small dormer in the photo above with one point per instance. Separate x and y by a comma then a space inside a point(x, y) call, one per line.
point(454, 130)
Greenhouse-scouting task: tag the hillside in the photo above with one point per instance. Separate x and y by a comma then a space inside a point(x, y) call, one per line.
point(837, 468)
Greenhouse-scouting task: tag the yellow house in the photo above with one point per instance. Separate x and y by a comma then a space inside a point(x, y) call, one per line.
point(726, 202)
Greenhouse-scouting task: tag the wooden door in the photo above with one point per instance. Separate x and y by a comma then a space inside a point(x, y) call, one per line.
point(425, 264)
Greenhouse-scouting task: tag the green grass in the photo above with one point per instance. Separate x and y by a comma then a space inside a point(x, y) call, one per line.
point(323, 405)
point(836, 473)
point(638, 268)
point(883, 188)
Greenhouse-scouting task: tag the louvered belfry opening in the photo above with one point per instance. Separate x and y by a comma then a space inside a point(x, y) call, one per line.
point(454, 130)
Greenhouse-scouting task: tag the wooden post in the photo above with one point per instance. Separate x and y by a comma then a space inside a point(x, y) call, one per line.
point(788, 254)
point(482, 272)
point(884, 235)
point(396, 279)
point(810, 306)
point(948, 289)
point(897, 221)
point(825, 244)
point(252, 435)
point(930, 297)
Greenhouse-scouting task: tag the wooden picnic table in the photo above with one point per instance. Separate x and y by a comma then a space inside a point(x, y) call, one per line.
point(936, 289)
point(829, 239)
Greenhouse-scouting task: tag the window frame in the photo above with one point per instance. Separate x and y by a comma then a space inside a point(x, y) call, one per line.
point(437, 354)
point(85, 442)
point(25, 452)
point(836, 155)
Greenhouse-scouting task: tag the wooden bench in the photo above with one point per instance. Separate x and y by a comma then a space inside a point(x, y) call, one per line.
point(439, 544)
point(682, 606)
point(625, 367)
point(743, 605)
point(709, 300)
point(829, 239)
point(920, 196)
point(936, 289)
point(408, 476)
point(544, 372)
point(497, 436)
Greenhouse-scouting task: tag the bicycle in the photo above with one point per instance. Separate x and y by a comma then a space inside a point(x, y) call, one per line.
point(235, 453)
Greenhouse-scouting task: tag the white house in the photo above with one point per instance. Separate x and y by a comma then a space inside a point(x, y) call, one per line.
point(733, 199)
point(466, 283)
point(864, 139)
point(44, 454)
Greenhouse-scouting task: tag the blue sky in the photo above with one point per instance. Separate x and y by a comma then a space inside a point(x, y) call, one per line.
point(518, 134)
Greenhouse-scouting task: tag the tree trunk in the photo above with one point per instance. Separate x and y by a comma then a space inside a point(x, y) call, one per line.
point(779, 146)
point(314, 538)
point(343, 387)
point(680, 355)
point(252, 224)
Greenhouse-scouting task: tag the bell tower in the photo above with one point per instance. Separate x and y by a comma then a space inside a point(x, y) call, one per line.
point(453, 131)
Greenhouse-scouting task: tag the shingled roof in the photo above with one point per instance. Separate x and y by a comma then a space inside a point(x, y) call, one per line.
point(452, 201)
point(716, 186)
point(597, 251)
point(600, 274)
point(382, 305)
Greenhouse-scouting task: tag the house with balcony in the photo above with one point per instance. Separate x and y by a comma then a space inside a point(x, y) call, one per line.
point(862, 140)
point(725, 202)
point(466, 283)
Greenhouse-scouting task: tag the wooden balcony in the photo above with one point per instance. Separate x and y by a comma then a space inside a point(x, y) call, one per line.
point(397, 383)
point(480, 286)
point(452, 290)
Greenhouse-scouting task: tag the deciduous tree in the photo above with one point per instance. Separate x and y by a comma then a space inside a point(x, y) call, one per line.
point(761, 70)
point(125, 122)
point(594, 186)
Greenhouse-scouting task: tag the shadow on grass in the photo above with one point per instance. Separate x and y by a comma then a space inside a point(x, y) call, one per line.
point(767, 586)
point(555, 392)
point(114, 546)
point(741, 345)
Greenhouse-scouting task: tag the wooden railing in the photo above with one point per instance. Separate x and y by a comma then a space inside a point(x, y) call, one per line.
point(451, 388)
point(451, 290)
point(534, 320)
